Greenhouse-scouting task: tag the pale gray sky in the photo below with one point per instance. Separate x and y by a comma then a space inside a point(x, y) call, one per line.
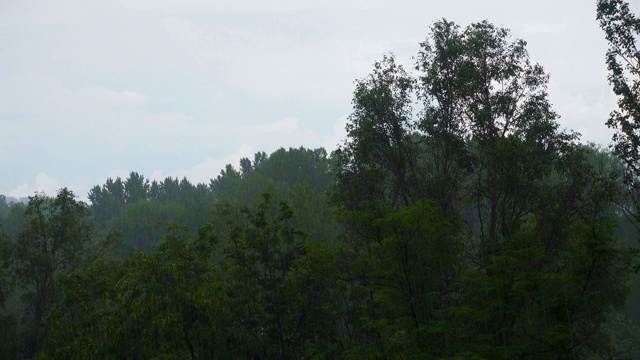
point(92, 89)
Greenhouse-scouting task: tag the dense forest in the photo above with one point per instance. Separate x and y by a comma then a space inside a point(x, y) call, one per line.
point(457, 220)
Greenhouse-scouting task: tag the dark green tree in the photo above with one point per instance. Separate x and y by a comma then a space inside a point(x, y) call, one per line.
point(165, 305)
point(56, 238)
point(259, 259)
point(136, 188)
point(226, 183)
point(13, 219)
point(259, 158)
point(521, 201)
point(441, 88)
point(143, 224)
point(246, 167)
point(622, 29)
point(107, 201)
point(378, 161)
point(8, 329)
point(154, 190)
point(4, 207)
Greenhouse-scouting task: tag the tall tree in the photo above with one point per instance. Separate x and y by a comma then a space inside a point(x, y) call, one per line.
point(485, 156)
point(136, 188)
point(56, 238)
point(378, 159)
point(225, 183)
point(8, 328)
point(107, 200)
point(441, 90)
point(13, 219)
point(622, 30)
point(260, 256)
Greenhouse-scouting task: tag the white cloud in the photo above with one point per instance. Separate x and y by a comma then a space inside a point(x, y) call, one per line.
point(285, 126)
point(43, 182)
point(102, 96)
point(586, 115)
point(46, 183)
point(339, 134)
point(117, 173)
point(132, 96)
point(21, 191)
point(209, 168)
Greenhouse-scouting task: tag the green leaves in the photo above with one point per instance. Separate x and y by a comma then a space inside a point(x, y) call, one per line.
point(56, 238)
point(165, 304)
point(622, 27)
point(461, 220)
point(259, 261)
point(377, 160)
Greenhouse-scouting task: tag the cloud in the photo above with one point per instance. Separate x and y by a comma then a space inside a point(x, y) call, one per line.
point(103, 96)
point(117, 173)
point(543, 28)
point(586, 114)
point(21, 191)
point(303, 72)
point(285, 126)
point(238, 6)
point(338, 135)
point(43, 182)
point(209, 168)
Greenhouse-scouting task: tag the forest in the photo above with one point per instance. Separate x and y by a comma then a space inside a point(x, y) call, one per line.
point(457, 220)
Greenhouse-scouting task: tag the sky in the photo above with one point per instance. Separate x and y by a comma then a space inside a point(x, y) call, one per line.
point(97, 89)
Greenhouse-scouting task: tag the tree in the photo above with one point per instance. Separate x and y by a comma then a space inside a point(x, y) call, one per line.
point(530, 229)
point(8, 329)
point(293, 166)
point(56, 239)
point(168, 304)
point(622, 29)
point(441, 90)
point(13, 220)
point(378, 159)
point(246, 166)
point(6, 267)
point(500, 103)
point(259, 259)
point(142, 224)
point(4, 207)
point(107, 200)
point(136, 188)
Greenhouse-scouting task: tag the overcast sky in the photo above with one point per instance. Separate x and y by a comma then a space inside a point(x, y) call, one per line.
point(96, 89)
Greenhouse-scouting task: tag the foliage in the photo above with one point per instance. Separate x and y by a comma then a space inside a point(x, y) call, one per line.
point(58, 237)
point(170, 303)
point(165, 304)
point(12, 218)
point(622, 28)
point(7, 283)
point(260, 256)
point(139, 210)
point(533, 241)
